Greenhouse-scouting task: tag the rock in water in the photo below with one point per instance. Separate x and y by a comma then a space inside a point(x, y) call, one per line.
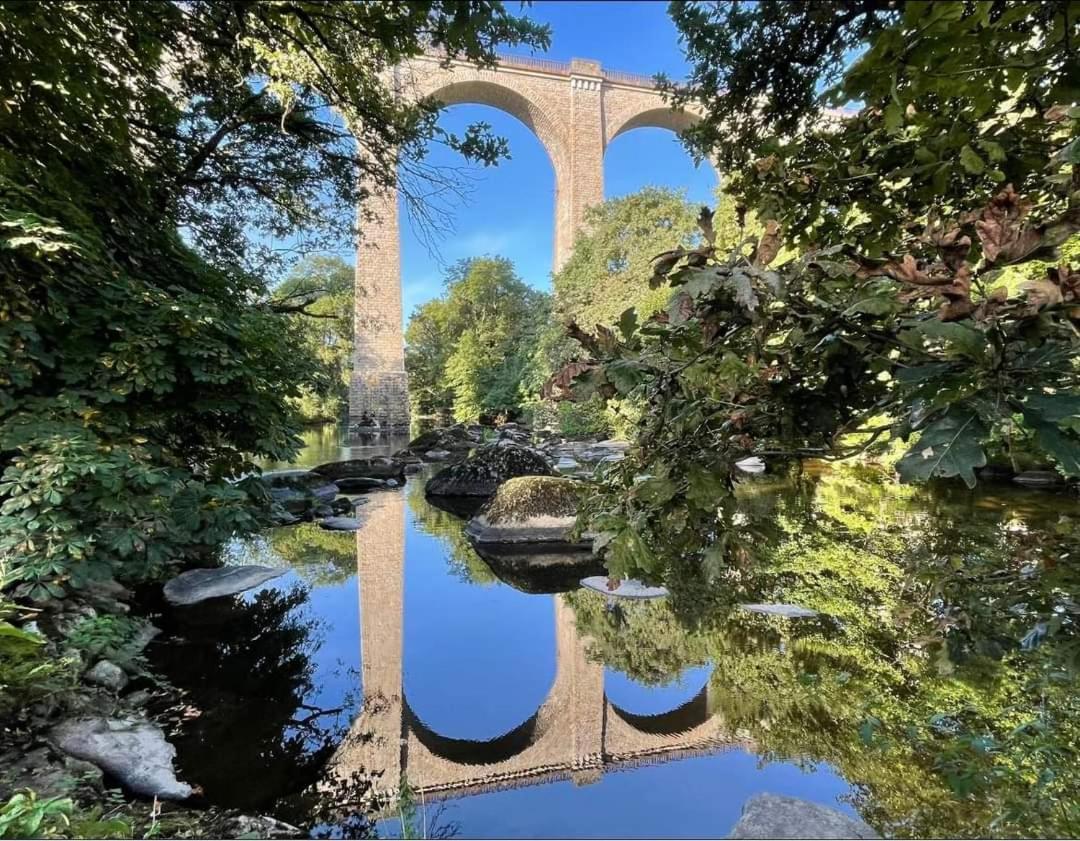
point(530, 510)
point(197, 585)
point(629, 588)
point(486, 469)
point(340, 524)
point(774, 816)
point(788, 611)
point(134, 751)
point(378, 467)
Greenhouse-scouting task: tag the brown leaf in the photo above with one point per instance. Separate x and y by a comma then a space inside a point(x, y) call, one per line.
point(586, 340)
point(559, 386)
point(1004, 237)
point(907, 271)
point(1042, 294)
point(769, 244)
point(1056, 113)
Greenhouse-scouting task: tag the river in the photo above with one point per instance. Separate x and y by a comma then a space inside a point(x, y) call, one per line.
point(494, 712)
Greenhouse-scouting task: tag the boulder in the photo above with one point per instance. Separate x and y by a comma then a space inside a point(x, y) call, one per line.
point(198, 585)
point(531, 569)
point(108, 674)
point(300, 480)
point(457, 439)
point(486, 469)
point(132, 750)
point(379, 467)
point(531, 510)
point(776, 816)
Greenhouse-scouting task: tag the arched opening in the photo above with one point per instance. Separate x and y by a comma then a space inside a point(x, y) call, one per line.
point(674, 702)
point(478, 661)
point(643, 154)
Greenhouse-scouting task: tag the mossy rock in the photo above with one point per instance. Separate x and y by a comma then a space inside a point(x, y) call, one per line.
point(539, 510)
point(486, 469)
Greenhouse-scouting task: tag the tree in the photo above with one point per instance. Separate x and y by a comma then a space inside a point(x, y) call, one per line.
point(888, 322)
point(607, 274)
point(320, 291)
point(467, 350)
point(144, 371)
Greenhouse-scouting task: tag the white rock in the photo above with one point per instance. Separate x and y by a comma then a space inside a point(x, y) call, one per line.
point(197, 585)
point(629, 588)
point(775, 816)
point(753, 464)
point(107, 674)
point(132, 750)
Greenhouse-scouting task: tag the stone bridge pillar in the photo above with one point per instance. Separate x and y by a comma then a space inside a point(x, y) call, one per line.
point(379, 391)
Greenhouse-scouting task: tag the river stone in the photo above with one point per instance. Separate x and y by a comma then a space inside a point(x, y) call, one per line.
point(629, 588)
point(530, 510)
point(486, 469)
point(133, 751)
point(197, 585)
point(340, 524)
point(1038, 479)
point(359, 484)
point(788, 611)
point(108, 674)
point(776, 816)
point(378, 467)
point(303, 481)
point(437, 455)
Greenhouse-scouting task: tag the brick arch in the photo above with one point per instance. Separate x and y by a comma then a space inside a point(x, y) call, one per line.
point(650, 116)
point(511, 101)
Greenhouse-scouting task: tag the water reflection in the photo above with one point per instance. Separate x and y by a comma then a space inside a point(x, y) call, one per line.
point(936, 695)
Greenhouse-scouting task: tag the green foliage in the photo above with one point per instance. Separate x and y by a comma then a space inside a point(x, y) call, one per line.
point(143, 369)
point(28, 672)
point(468, 350)
point(115, 637)
point(449, 530)
point(320, 290)
point(25, 815)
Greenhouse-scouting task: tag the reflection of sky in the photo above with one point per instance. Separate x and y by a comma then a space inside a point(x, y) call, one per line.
point(479, 660)
point(700, 797)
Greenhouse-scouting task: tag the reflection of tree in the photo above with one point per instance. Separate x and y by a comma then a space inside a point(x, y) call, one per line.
point(321, 557)
point(643, 640)
point(450, 531)
point(249, 736)
point(943, 680)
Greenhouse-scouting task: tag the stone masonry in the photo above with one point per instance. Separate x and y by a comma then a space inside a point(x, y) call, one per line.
point(574, 108)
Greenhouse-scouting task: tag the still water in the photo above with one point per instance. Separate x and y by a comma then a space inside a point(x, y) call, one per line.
point(396, 655)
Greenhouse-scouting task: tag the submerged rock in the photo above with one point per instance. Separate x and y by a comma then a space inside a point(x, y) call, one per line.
point(486, 469)
point(359, 484)
point(378, 467)
point(788, 611)
point(629, 588)
point(775, 816)
point(531, 510)
point(198, 585)
point(303, 481)
point(132, 750)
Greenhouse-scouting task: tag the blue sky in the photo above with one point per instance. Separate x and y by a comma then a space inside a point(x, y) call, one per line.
point(509, 210)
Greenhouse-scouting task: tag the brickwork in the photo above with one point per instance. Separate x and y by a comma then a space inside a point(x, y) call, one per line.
point(574, 108)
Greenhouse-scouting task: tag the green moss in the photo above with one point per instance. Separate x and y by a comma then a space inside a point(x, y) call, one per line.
point(535, 496)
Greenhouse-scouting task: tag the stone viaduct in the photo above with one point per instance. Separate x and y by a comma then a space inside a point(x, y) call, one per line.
point(576, 733)
point(574, 108)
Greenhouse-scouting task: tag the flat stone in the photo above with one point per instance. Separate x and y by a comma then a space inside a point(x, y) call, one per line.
point(629, 588)
point(788, 611)
point(1038, 478)
point(108, 674)
point(197, 585)
point(437, 455)
point(775, 816)
point(359, 484)
point(340, 524)
point(132, 750)
point(378, 467)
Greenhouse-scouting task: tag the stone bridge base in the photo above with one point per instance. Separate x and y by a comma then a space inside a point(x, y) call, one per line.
point(380, 397)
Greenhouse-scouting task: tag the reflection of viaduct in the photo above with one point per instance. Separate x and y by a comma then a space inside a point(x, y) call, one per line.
point(575, 109)
point(576, 733)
